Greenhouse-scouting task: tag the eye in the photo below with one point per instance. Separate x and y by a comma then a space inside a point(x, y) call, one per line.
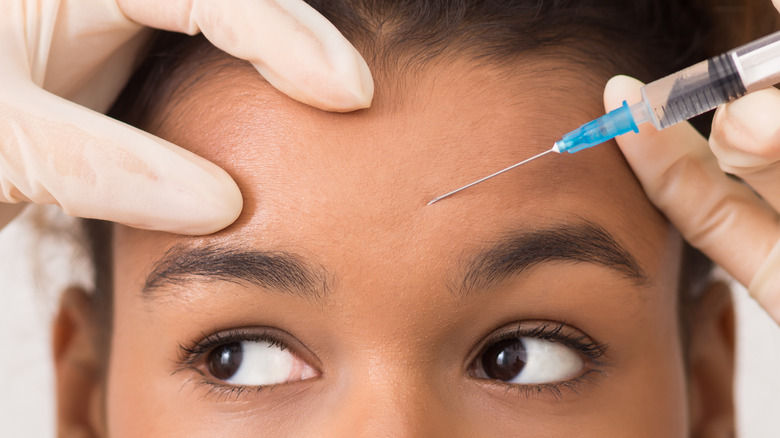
point(542, 355)
point(251, 363)
point(528, 361)
point(248, 358)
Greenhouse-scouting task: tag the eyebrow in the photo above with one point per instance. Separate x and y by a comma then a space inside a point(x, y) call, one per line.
point(278, 271)
point(288, 273)
point(580, 242)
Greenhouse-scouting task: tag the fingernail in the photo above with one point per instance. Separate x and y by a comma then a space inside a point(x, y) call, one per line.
point(745, 132)
point(756, 114)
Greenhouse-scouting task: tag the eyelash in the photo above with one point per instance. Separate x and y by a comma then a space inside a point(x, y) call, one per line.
point(190, 356)
point(552, 331)
point(555, 389)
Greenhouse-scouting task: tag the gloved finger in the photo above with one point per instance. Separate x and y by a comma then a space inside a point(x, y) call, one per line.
point(746, 140)
point(715, 213)
point(294, 47)
point(55, 151)
point(85, 51)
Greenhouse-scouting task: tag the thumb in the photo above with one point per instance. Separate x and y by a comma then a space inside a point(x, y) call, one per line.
point(55, 151)
point(715, 213)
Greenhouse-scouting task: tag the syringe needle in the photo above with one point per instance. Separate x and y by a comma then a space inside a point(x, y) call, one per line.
point(491, 176)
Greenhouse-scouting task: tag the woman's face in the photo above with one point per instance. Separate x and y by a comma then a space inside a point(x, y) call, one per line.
point(542, 303)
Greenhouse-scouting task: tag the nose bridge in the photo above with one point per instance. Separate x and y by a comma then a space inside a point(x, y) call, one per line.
point(391, 380)
point(392, 401)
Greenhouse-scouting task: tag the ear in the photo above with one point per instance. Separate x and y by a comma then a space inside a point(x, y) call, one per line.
point(711, 364)
point(77, 368)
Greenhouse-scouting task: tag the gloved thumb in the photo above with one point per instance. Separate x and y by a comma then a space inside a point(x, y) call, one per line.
point(55, 151)
point(681, 176)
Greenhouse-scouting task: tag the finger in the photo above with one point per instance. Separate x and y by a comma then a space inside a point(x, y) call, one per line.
point(97, 36)
point(315, 64)
point(746, 140)
point(54, 151)
point(716, 214)
point(765, 286)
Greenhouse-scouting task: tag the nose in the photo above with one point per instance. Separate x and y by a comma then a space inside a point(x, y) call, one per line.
point(383, 403)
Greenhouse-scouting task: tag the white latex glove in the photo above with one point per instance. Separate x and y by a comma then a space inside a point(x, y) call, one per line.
point(54, 150)
point(725, 219)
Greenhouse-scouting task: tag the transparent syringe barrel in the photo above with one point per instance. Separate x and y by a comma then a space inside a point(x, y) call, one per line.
point(693, 91)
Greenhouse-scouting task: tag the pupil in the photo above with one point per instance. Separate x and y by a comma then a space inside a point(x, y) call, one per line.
point(504, 360)
point(225, 360)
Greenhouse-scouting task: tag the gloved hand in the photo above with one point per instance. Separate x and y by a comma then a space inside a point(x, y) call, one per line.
point(684, 176)
point(53, 150)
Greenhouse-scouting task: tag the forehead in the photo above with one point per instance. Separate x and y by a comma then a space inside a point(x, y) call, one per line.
point(351, 190)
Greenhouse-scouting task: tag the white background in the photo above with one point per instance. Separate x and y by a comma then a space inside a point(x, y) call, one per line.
point(33, 269)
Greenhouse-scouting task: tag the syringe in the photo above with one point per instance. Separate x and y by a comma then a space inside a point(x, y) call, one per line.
point(677, 97)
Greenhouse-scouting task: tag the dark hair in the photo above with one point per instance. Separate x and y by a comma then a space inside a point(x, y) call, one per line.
point(643, 38)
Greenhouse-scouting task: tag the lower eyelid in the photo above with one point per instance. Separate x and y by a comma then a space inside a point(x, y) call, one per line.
point(220, 391)
point(554, 389)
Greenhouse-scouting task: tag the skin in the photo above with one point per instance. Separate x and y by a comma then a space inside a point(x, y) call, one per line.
point(392, 339)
